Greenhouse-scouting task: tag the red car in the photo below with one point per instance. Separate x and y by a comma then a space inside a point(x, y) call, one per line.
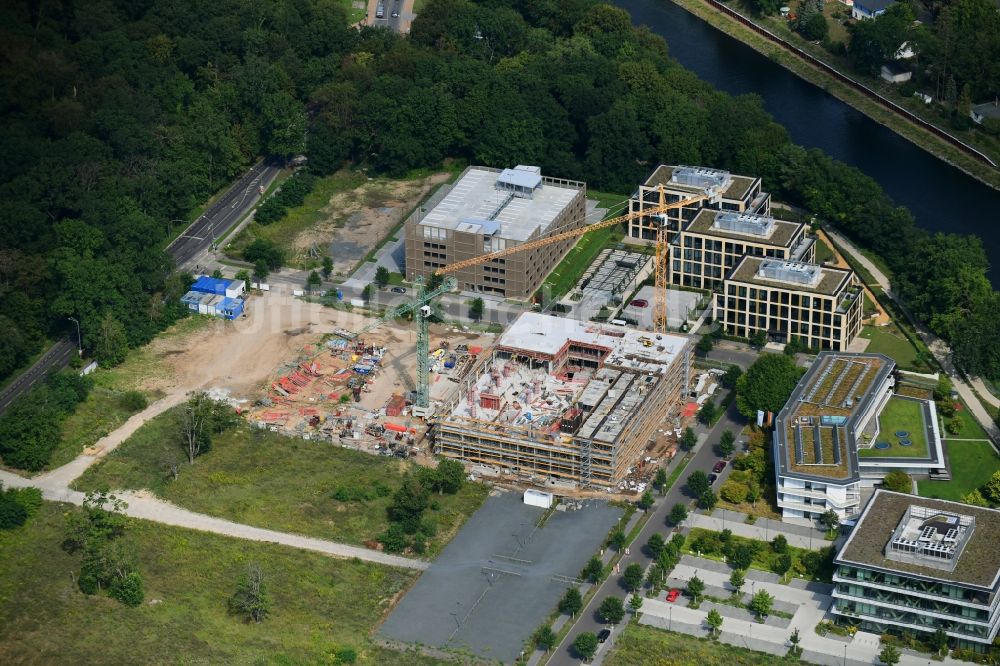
point(673, 594)
point(719, 466)
point(640, 303)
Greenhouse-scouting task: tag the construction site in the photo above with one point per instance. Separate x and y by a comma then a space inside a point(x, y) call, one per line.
point(558, 401)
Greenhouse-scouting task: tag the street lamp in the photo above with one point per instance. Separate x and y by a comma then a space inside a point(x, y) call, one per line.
point(79, 340)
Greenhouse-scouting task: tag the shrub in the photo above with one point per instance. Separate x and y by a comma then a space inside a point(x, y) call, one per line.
point(346, 655)
point(128, 589)
point(134, 401)
point(12, 514)
point(733, 491)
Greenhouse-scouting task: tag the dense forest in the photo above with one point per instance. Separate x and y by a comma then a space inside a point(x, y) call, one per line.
point(122, 116)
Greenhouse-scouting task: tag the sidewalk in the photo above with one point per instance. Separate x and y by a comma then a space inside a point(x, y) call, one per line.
point(762, 530)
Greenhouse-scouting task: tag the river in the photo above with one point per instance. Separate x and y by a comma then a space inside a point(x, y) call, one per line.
point(941, 197)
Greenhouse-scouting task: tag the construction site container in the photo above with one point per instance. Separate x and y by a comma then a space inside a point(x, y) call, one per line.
point(395, 406)
point(395, 427)
point(538, 498)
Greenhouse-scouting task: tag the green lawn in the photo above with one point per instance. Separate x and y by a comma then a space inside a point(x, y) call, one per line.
point(764, 559)
point(890, 341)
point(970, 426)
point(281, 483)
point(95, 417)
point(972, 465)
point(900, 414)
point(645, 646)
point(318, 604)
point(823, 252)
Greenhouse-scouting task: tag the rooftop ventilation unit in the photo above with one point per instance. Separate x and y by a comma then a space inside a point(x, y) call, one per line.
point(521, 181)
point(750, 225)
point(793, 272)
point(713, 181)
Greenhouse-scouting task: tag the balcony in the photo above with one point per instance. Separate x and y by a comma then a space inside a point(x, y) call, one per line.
point(911, 607)
point(926, 623)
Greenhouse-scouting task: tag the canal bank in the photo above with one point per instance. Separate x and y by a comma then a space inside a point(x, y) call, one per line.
point(780, 51)
point(940, 197)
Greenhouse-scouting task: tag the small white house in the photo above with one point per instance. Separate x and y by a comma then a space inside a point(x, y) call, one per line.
point(863, 10)
point(894, 73)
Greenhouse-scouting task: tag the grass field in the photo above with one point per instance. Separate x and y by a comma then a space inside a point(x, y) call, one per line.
point(764, 559)
point(281, 483)
point(970, 426)
point(823, 252)
point(95, 417)
point(972, 465)
point(890, 341)
point(318, 604)
point(646, 646)
point(900, 414)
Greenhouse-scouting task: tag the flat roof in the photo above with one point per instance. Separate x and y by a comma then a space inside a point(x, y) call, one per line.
point(832, 282)
point(737, 190)
point(978, 564)
point(475, 205)
point(815, 433)
point(781, 236)
point(544, 334)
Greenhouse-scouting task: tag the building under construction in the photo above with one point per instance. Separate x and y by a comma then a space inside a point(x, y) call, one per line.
point(562, 399)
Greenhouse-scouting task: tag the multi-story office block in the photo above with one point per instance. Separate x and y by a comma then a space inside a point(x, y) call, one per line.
point(709, 245)
point(821, 306)
point(724, 192)
point(488, 210)
point(914, 565)
point(844, 428)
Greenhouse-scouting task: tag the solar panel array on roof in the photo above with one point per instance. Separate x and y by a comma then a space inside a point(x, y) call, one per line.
point(790, 271)
point(744, 223)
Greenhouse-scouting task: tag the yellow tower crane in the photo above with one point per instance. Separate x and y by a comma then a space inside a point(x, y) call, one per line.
point(661, 257)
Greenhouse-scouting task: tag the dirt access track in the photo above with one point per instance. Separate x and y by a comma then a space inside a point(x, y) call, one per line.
point(355, 221)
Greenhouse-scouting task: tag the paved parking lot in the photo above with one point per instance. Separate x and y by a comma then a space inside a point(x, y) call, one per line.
point(498, 580)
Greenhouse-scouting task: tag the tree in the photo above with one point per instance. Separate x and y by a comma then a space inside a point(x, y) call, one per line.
point(688, 439)
point(714, 621)
point(727, 443)
point(814, 27)
point(260, 270)
point(655, 545)
point(678, 513)
point(244, 275)
point(611, 610)
point(975, 498)
point(632, 577)
point(707, 413)
point(327, 266)
point(646, 500)
point(635, 603)
point(545, 638)
point(617, 538)
point(585, 645)
point(897, 481)
point(201, 418)
point(705, 345)
point(696, 587)
point(314, 280)
point(734, 491)
point(783, 564)
point(381, 276)
point(889, 655)
point(251, 600)
point(112, 343)
point(408, 504)
point(366, 293)
point(954, 426)
point(128, 589)
point(708, 500)
point(992, 488)
point(571, 602)
point(476, 308)
point(766, 385)
point(761, 603)
point(741, 556)
point(829, 519)
point(698, 483)
point(660, 480)
point(733, 374)
point(737, 579)
point(939, 641)
point(758, 340)
point(264, 250)
point(779, 544)
point(794, 639)
point(594, 570)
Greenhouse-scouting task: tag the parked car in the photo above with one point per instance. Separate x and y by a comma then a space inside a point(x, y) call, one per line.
point(719, 466)
point(712, 478)
point(398, 290)
point(640, 303)
point(604, 635)
point(673, 594)
point(395, 13)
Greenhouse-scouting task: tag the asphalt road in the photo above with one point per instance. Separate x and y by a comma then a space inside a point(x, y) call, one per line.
point(224, 213)
point(55, 358)
point(588, 619)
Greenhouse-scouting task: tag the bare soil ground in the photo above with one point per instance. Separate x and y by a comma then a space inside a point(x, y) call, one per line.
point(354, 222)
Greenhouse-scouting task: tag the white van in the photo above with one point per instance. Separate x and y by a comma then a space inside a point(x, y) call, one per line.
point(618, 322)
